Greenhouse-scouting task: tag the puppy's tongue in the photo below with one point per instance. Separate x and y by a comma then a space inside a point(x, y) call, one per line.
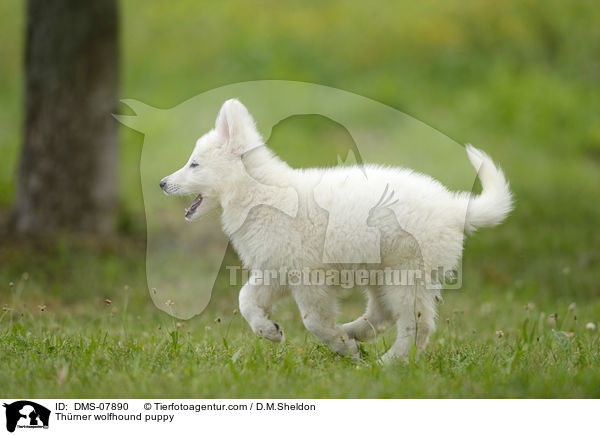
point(193, 206)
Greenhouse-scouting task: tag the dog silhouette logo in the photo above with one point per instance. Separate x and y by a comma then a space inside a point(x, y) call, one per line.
point(26, 414)
point(184, 262)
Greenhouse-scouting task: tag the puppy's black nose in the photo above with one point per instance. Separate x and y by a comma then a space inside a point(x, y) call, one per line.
point(162, 184)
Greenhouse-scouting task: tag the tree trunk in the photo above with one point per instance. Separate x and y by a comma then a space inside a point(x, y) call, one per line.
point(67, 177)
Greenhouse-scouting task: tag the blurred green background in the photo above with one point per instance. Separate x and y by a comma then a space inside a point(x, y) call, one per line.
point(518, 79)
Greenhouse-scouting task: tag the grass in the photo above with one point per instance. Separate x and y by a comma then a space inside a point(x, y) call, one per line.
point(518, 79)
point(495, 340)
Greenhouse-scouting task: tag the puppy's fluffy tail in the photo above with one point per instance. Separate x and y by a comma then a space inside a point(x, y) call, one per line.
point(495, 202)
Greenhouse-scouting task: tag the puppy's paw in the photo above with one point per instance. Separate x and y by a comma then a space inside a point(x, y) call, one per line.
point(390, 358)
point(359, 330)
point(350, 329)
point(353, 349)
point(270, 330)
point(346, 346)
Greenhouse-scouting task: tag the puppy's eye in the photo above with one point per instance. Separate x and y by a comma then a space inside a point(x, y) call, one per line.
point(193, 165)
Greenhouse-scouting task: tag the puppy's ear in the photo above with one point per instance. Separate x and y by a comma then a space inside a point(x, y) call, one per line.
point(236, 127)
point(224, 125)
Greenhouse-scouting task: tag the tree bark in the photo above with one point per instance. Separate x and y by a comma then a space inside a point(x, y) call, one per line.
point(67, 177)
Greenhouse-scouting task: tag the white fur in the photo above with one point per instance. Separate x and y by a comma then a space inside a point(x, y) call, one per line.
point(422, 226)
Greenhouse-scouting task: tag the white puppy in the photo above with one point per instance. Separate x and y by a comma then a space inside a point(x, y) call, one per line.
point(284, 219)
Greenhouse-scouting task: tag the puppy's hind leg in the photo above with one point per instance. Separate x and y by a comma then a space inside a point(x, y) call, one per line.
point(414, 311)
point(376, 319)
point(256, 302)
point(318, 309)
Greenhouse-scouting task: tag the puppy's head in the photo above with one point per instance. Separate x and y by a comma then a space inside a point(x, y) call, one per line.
point(215, 160)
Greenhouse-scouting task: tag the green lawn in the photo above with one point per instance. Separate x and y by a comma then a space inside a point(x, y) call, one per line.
point(128, 349)
point(517, 79)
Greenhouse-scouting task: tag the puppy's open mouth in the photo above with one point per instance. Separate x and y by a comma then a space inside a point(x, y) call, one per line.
point(193, 206)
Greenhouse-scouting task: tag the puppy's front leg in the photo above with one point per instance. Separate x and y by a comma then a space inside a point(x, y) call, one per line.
point(256, 302)
point(318, 309)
